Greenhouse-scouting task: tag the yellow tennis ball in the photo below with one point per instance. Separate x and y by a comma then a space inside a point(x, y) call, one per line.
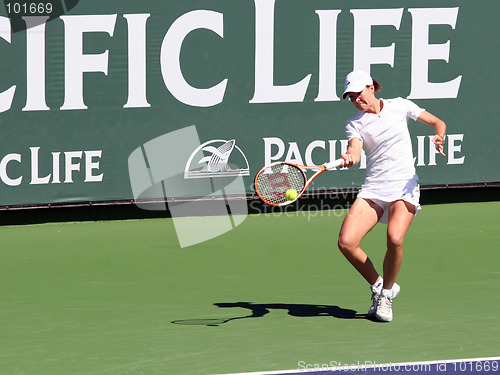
point(291, 194)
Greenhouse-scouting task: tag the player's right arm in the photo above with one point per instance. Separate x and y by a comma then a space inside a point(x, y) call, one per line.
point(353, 154)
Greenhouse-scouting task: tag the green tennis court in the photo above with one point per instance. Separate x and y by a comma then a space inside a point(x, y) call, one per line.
point(121, 297)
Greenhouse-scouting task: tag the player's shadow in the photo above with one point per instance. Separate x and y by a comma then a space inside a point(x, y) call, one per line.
point(258, 310)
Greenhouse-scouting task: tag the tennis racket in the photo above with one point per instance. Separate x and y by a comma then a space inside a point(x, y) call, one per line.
point(273, 180)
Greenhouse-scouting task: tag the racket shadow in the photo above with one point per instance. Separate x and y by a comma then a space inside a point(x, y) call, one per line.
point(259, 310)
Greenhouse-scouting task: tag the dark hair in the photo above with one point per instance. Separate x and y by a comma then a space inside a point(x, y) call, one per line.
point(377, 85)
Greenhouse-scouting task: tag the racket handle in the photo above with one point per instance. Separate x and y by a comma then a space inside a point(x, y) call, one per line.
point(334, 164)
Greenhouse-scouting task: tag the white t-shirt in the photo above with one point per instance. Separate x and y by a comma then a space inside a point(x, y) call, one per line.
point(386, 140)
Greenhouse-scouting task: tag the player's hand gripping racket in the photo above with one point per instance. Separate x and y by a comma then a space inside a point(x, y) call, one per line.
point(273, 180)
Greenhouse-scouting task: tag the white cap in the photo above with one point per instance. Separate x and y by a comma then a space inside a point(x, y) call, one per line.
point(356, 81)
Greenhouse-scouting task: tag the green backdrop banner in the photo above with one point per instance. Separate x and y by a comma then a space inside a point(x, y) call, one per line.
point(105, 100)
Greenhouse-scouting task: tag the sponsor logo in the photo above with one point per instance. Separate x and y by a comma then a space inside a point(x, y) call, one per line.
point(217, 158)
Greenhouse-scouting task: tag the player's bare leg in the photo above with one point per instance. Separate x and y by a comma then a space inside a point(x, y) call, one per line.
point(401, 214)
point(361, 218)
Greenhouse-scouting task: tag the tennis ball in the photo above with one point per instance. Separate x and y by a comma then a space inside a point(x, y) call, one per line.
point(291, 194)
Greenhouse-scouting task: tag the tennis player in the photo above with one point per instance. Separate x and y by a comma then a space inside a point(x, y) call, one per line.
point(390, 193)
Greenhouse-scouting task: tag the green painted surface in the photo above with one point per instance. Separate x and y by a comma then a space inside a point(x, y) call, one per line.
point(123, 298)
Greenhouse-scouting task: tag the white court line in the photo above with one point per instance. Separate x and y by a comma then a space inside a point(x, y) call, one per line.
point(342, 368)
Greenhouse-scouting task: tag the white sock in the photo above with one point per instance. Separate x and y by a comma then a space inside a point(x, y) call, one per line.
point(378, 285)
point(387, 292)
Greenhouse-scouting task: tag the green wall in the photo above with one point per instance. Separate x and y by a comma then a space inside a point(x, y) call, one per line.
point(82, 94)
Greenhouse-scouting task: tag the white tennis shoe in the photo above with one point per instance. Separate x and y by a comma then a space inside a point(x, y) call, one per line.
point(373, 307)
point(384, 304)
point(376, 292)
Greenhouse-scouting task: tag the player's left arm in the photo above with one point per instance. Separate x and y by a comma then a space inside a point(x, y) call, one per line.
point(438, 125)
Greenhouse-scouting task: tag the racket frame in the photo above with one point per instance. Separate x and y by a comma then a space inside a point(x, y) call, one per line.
point(303, 168)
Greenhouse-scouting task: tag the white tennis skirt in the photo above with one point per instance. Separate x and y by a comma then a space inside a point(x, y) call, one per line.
point(383, 194)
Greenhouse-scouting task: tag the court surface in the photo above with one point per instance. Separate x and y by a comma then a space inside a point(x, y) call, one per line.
point(121, 297)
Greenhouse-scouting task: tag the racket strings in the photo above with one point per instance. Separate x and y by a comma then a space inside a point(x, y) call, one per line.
point(274, 181)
